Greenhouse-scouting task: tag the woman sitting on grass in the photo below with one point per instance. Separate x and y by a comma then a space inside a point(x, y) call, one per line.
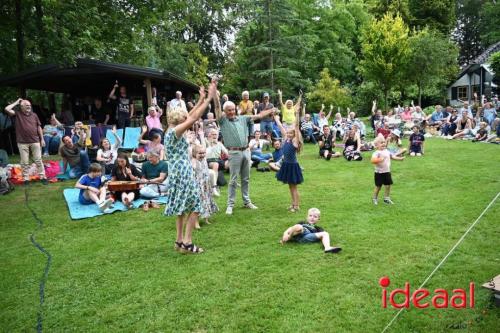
point(352, 145)
point(125, 171)
point(154, 144)
point(464, 127)
point(107, 153)
point(256, 146)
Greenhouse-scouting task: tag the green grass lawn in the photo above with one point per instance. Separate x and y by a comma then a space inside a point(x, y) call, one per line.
point(120, 272)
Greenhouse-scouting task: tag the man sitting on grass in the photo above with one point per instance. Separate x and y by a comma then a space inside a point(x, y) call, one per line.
point(309, 232)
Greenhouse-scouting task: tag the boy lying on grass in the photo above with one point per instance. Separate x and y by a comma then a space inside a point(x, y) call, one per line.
point(92, 190)
point(309, 232)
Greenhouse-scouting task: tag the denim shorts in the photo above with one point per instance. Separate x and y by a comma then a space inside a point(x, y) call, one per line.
point(306, 237)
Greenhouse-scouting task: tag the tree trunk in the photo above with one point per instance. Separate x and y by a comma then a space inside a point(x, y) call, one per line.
point(386, 92)
point(419, 94)
point(271, 59)
point(19, 36)
point(41, 31)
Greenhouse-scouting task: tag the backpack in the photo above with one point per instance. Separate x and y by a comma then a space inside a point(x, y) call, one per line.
point(5, 185)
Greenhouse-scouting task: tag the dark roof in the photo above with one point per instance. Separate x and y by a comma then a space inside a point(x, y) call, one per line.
point(483, 57)
point(96, 78)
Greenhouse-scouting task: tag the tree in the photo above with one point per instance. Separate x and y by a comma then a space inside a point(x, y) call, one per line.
point(328, 91)
point(489, 23)
point(432, 60)
point(435, 14)
point(467, 33)
point(494, 61)
point(385, 51)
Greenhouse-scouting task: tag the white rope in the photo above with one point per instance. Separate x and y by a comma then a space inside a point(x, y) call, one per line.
point(444, 259)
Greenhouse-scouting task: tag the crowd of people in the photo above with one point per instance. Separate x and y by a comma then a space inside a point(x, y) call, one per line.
point(185, 148)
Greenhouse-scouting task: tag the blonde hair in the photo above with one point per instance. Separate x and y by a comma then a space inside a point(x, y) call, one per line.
point(175, 115)
point(314, 210)
point(196, 148)
point(378, 139)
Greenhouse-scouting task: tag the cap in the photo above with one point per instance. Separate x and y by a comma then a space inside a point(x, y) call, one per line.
point(266, 94)
point(397, 133)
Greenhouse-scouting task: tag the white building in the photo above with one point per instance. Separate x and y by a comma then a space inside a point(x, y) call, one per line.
point(476, 77)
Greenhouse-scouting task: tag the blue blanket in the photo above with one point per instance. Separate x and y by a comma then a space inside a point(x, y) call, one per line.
point(132, 135)
point(111, 138)
point(78, 211)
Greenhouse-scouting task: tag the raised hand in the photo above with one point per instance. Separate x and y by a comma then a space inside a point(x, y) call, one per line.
point(212, 90)
point(374, 102)
point(144, 128)
point(116, 84)
point(279, 92)
point(113, 129)
point(202, 93)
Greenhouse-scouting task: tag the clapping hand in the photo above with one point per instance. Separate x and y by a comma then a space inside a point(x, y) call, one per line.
point(202, 93)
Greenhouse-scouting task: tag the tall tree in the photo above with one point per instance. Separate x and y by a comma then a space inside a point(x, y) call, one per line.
point(385, 52)
point(467, 33)
point(435, 14)
point(328, 91)
point(428, 66)
point(489, 24)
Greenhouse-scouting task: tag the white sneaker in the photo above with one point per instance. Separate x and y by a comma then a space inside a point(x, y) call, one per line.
point(375, 201)
point(229, 210)
point(105, 204)
point(250, 206)
point(216, 192)
point(388, 201)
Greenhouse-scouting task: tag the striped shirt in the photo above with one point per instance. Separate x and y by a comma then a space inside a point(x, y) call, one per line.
point(235, 131)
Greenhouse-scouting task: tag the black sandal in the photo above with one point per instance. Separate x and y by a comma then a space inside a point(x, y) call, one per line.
point(178, 246)
point(191, 248)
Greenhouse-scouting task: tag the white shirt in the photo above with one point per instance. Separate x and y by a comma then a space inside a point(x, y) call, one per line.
point(177, 103)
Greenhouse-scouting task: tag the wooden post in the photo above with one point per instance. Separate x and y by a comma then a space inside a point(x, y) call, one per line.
point(147, 82)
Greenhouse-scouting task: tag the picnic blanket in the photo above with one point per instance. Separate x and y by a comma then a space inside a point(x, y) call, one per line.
point(77, 211)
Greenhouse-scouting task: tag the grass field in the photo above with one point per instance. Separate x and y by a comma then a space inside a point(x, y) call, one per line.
point(120, 272)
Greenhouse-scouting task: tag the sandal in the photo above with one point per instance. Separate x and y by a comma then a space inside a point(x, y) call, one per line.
point(127, 203)
point(153, 204)
point(145, 206)
point(191, 248)
point(178, 246)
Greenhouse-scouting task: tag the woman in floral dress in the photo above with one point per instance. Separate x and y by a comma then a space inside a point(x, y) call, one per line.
point(183, 192)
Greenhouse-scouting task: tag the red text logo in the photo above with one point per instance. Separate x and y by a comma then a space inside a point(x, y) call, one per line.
point(422, 298)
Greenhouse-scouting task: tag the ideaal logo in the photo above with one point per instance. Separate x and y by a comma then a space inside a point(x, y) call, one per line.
point(439, 300)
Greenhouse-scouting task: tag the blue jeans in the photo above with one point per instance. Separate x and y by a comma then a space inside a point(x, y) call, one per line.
point(259, 156)
point(81, 168)
point(308, 132)
point(52, 143)
point(266, 126)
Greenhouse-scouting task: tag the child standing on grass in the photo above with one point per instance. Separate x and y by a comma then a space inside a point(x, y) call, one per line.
point(381, 158)
point(202, 176)
point(92, 189)
point(290, 172)
point(309, 232)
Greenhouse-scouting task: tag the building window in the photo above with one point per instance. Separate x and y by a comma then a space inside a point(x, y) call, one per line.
point(462, 93)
